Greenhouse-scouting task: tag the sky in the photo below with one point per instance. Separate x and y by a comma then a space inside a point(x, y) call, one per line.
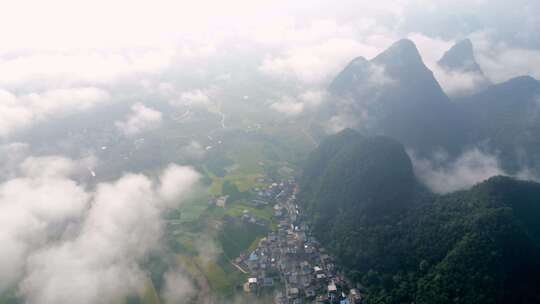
point(60, 58)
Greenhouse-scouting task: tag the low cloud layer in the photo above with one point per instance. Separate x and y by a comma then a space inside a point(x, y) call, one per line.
point(194, 98)
point(64, 243)
point(442, 175)
point(293, 106)
point(21, 111)
point(140, 119)
point(177, 288)
point(471, 167)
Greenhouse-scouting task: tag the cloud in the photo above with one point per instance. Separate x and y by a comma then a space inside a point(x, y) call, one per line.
point(314, 64)
point(193, 151)
point(32, 207)
point(310, 99)
point(313, 98)
point(74, 67)
point(11, 155)
point(459, 83)
point(207, 248)
point(345, 120)
point(65, 244)
point(502, 61)
point(141, 119)
point(288, 106)
point(21, 111)
point(176, 183)
point(498, 60)
point(471, 167)
point(196, 98)
point(454, 83)
point(177, 288)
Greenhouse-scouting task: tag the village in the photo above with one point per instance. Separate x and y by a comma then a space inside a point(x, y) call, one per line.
point(289, 262)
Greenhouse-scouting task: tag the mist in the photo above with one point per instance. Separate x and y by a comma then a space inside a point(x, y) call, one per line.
point(114, 114)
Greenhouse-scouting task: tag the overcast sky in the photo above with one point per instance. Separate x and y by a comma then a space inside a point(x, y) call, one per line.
point(61, 42)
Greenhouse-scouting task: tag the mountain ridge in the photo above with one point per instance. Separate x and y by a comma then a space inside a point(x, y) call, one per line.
point(473, 246)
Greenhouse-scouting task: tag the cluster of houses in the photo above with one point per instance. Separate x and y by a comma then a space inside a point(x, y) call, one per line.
point(291, 263)
point(274, 192)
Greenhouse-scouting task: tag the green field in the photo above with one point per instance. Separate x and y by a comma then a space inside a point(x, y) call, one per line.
point(236, 238)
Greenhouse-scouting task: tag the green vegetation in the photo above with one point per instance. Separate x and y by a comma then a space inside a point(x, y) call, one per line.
point(236, 238)
point(404, 244)
point(232, 169)
point(238, 209)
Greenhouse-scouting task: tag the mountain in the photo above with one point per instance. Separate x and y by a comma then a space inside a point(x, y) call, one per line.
point(506, 117)
point(347, 166)
point(400, 98)
point(404, 244)
point(460, 62)
point(461, 58)
point(396, 95)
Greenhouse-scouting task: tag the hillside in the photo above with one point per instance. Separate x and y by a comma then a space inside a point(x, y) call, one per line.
point(404, 244)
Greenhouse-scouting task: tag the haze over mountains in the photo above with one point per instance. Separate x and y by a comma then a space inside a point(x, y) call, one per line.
point(395, 94)
point(138, 137)
point(367, 197)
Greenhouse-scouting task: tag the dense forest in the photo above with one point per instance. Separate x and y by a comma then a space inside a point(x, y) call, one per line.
point(404, 244)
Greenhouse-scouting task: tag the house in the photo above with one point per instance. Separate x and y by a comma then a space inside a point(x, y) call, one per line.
point(332, 288)
point(310, 293)
point(253, 257)
point(222, 201)
point(268, 282)
point(355, 297)
point(252, 285)
point(321, 299)
point(293, 292)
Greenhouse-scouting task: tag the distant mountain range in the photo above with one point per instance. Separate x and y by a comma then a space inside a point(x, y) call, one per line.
point(404, 244)
point(396, 95)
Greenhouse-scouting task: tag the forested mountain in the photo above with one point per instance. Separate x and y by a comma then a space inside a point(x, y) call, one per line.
point(404, 244)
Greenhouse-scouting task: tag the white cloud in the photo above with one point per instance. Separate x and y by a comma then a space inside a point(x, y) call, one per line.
point(345, 120)
point(314, 64)
point(139, 120)
point(499, 62)
point(195, 98)
point(288, 106)
point(32, 206)
point(177, 288)
point(313, 98)
point(194, 151)
point(459, 83)
point(454, 83)
point(83, 66)
point(471, 167)
point(307, 100)
point(11, 155)
point(176, 183)
point(62, 243)
point(18, 112)
point(502, 61)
